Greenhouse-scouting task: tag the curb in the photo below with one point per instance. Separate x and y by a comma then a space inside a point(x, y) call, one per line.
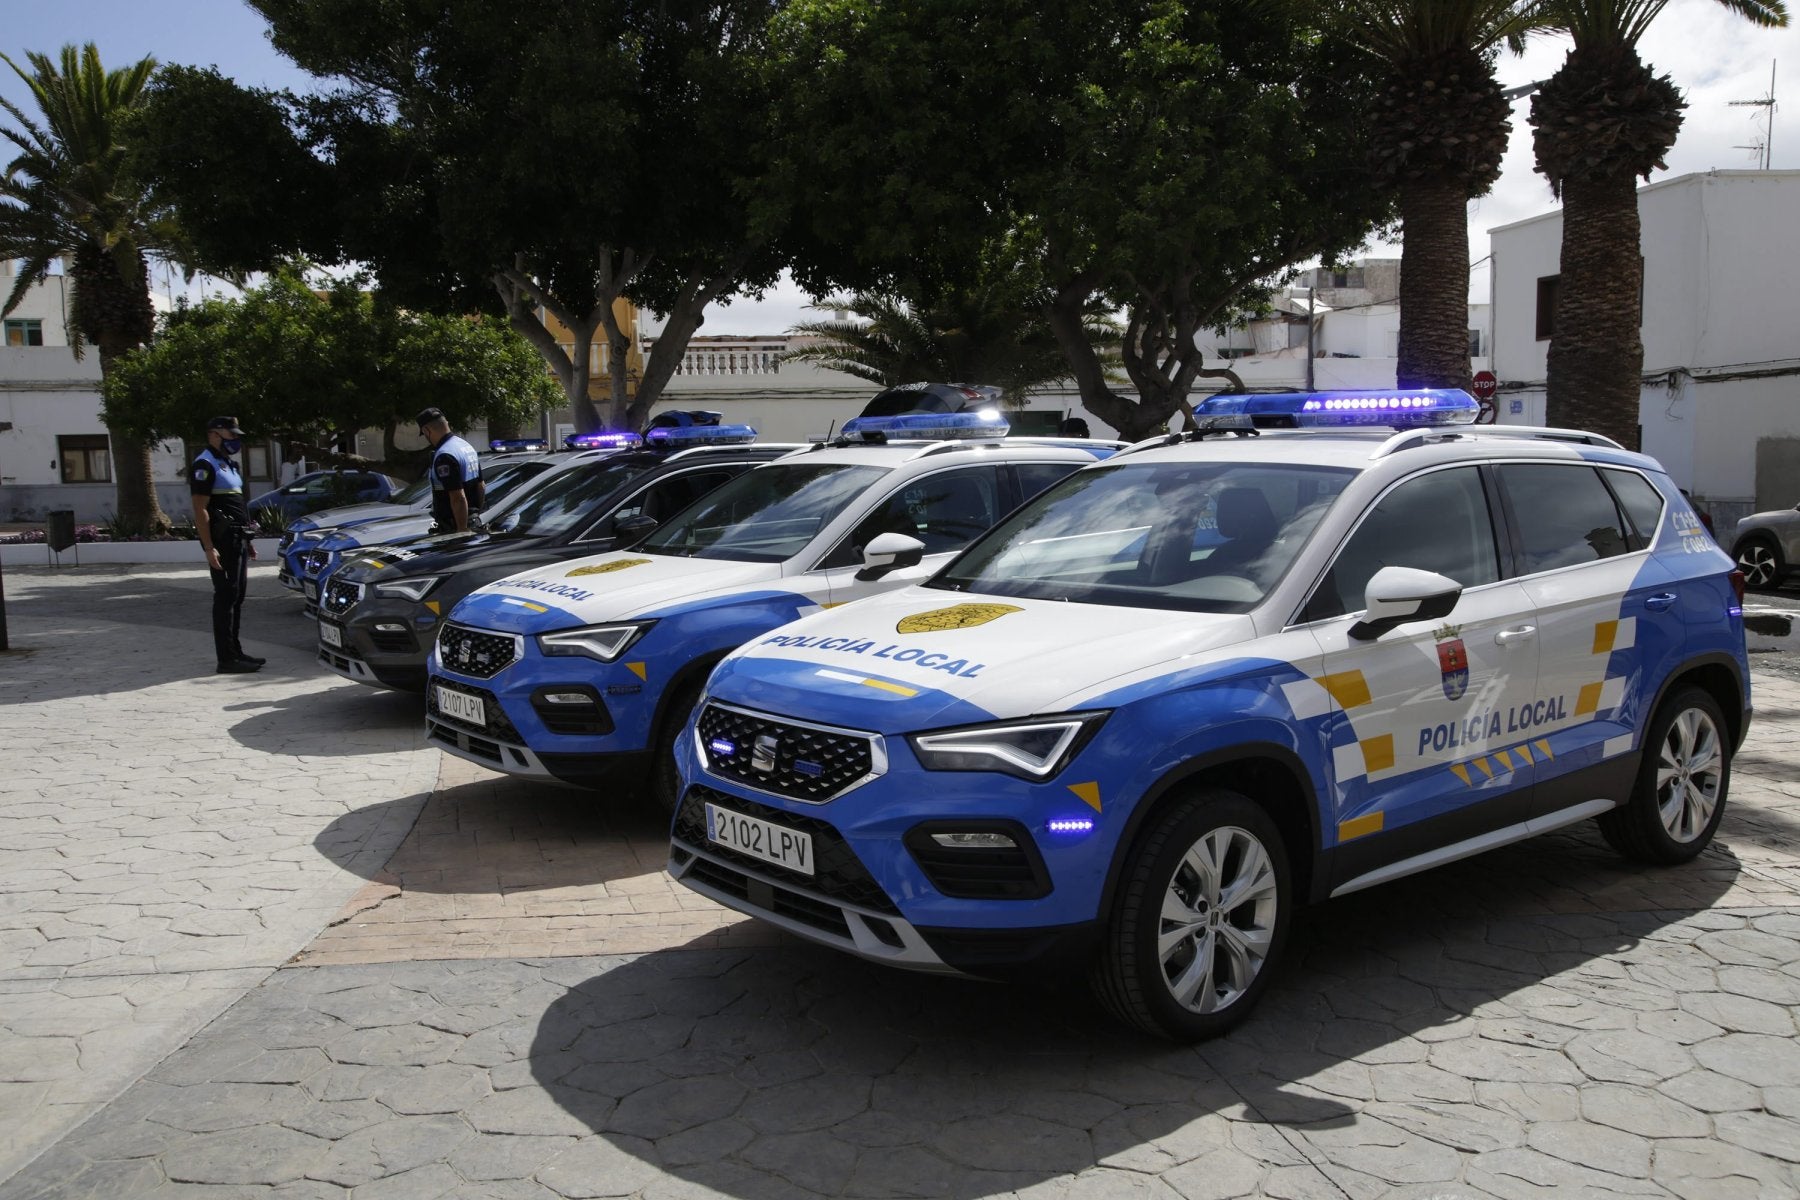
point(1767, 628)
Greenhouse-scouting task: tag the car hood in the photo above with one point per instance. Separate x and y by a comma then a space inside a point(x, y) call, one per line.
point(922, 657)
point(607, 587)
point(436, 555)
point(374, 532)
point(349, 514)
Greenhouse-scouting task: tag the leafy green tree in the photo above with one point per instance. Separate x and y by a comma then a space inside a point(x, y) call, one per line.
point(971, 337)
point(1438, 133)
point(307, 365)
point(1167, 157)
point(69, 194)
point(533, 157)
point(1604, 120)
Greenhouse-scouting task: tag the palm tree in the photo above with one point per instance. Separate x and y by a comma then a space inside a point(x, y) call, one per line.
point(1602, 121)
point(69, 195)
point(965, 336)
point(1440, 130)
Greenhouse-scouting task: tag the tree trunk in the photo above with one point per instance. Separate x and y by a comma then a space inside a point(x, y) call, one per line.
point(1434, 285)
point(1132, 420)
point(1596, 358)
point(134, 482)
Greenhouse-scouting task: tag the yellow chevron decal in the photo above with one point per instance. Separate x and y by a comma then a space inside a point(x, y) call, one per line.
point(1505, 759)
point(637, 669)
point(1348, 688)
point(1543, 745)
point(1589, 700)
point(1377, 752)
point(1359, 826)
point(1462, 773)
point(435, 607)
point(1605, 633)
point(1524, 752)
point(1089, 793)
point(1482, 765)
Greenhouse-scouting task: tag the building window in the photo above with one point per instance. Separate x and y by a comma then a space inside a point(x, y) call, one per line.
point(24, 331)
point(85, 458)
point(1474, 343)
point(1546, 306)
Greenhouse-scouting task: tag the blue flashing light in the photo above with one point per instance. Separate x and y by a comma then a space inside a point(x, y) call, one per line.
point(518, 444)
point(681, 437)
point(1072, 825)
point(929, 426)
point(1392, 408)
point(722, 747)
point(602, 441)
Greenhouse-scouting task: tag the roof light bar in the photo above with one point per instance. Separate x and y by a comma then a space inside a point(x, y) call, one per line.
point(680, 437)
point(682, 418)
point(1392, 408)
point(602, 441)
point(928, 426)
point(518, 444)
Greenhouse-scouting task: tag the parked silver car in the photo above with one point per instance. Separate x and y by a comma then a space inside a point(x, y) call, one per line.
point(1766, 546)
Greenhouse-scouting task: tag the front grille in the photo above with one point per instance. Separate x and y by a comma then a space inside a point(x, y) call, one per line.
point(839, 874)
point(339, 597)
point(498, 726)
point(312, 562)
point(804, 763)
point(393, 641)
point(476, 652)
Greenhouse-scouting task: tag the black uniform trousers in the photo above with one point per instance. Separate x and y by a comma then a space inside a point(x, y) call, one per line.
point(230, 583)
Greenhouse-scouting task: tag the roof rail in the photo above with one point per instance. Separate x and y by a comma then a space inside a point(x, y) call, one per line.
point(689, 451)
point(946, 447)
point(1189, 435)
point(1074, 443)
point(1429, 434)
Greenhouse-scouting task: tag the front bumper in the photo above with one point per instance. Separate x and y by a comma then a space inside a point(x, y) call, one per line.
point(380, 642)
point(498, 744)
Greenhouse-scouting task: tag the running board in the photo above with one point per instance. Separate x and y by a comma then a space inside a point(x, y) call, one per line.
point(1476, 845)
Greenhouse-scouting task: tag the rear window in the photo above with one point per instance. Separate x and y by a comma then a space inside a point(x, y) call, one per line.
point(1564, 513)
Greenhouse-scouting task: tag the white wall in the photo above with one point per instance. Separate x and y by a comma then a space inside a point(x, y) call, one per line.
point(45, 301)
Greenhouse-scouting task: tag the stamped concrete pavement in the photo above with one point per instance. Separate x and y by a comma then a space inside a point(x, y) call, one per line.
point(519, 1004)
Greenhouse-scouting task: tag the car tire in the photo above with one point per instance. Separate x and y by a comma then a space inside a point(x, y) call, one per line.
point(665, 780)
point(1678, 799)
point(1759, 558)
point(1217, 857)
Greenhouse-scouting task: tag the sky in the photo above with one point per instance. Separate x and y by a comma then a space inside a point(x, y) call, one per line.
point(1713, 56)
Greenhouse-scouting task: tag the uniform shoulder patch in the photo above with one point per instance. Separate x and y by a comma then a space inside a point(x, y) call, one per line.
point(607, 568)
point(957, 616)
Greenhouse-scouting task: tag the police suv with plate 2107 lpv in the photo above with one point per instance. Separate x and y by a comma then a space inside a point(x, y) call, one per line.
point(380, 611)
point(1221, 674)
point(588, 670)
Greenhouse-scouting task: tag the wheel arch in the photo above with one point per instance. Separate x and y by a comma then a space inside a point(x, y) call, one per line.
point(1268, 774)
point(1720, 677)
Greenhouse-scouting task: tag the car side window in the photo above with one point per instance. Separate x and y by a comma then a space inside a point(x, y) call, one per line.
point(1033, 478)
point(1437, 522)
point(1564, 514)
point(946, 511)
point(1643, 504)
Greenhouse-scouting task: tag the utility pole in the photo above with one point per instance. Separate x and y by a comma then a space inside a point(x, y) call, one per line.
point(1309, 337)
point(1767, 104)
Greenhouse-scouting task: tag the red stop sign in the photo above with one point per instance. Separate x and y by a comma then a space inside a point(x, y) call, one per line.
point(1485, 385)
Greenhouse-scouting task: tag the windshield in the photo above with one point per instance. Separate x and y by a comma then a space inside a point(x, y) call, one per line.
point(414, 490)
point(567, 500)
point(504, 480)
point(1203, 537)
point(765, 515)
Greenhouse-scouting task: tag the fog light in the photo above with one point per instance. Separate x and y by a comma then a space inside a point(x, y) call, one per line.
point(567, 698)
point(974, 841)
point(390, 627)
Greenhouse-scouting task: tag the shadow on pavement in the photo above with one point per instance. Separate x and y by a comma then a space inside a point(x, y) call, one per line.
point(344, 720)
point(799, 1072)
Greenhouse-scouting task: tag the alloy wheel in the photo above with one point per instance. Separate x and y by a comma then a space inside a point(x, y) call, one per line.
point(1218, 919)
point(1757, 562)
point(1689, 769)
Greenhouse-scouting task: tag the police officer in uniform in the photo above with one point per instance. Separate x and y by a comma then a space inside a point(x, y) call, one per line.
point(456, 490)
point(223, 523)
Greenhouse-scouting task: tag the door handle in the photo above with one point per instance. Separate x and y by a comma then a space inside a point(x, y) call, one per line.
point(1518, 633)
point(1660, 601)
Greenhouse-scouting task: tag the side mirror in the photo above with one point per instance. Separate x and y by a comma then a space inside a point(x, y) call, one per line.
point(1397, 595)
point(629, 531)
point(889, 552)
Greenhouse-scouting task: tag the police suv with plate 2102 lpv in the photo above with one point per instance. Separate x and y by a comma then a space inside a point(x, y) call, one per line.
point(1279, 659)
point(586, 671)
point(380, 611)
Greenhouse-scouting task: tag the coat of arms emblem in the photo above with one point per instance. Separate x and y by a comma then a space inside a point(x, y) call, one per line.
point(1453, 661)
point(957, 616)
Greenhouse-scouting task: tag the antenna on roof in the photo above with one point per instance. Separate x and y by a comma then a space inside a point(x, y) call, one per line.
point(1765, 150)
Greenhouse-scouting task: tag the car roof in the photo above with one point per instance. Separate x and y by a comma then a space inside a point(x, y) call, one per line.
point(931, 454)
point(1361, 450)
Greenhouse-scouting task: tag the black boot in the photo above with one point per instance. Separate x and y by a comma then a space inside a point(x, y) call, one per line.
point(238, 668)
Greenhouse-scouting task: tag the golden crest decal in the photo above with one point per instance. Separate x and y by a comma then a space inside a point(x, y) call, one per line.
point(957, 616)
point(607, 568)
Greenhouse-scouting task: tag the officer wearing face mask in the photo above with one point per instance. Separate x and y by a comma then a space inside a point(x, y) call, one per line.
point(216, 483)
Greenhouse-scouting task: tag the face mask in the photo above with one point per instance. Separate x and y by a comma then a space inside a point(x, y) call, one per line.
point(231, 445)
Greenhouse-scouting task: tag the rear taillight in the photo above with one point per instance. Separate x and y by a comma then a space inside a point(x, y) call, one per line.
point(1737, 585)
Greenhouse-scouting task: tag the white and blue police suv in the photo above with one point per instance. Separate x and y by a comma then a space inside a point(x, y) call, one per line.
point(1325, 641)
point(586, 670)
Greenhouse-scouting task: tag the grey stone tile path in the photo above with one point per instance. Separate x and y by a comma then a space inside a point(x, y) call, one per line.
point(167, 836)
point(1544, 1021)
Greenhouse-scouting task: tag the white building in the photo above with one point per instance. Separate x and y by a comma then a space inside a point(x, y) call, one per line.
point(1720, 404)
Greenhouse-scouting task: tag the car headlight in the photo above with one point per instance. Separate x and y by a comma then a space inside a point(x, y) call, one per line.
point(601, 642)
point(409, 589)
point(1034, 748)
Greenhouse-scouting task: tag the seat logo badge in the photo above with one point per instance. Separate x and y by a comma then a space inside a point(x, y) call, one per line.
point(762, 754)
point(957, 616)
point(1453, 661)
